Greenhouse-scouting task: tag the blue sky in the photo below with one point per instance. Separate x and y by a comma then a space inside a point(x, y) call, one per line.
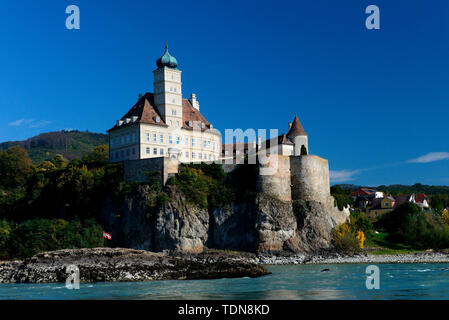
point(370, 100)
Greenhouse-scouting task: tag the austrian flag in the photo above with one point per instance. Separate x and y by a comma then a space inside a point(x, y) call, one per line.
point(107, 236)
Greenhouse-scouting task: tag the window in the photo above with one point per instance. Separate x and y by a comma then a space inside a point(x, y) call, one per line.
point(133, 151)
point(193, 142)
point(171, 122)
point(148, 136)
point(116, 155)
point(193, 155)
point(210, 157)
point(177, 123)
point(175, 89)
point(186, 139)
point(215, 158)
point(155, 151)
point(161, 151)
point(187, 154)
point(148, 150)
point(208, 144)
point(127, 152)
point(213, 145)
point(205, 144)
point(117, 141)
point(112, 143)
point(154, 137)
point(122, 139)
point(127, 138)
point(173, 112)
point(178, 140)
point(133, 137)
point(161, 138)
point(200, 156)
point(170, 140)
point(173, 101)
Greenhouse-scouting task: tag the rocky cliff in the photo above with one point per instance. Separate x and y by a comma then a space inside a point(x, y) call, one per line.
point(264, 224)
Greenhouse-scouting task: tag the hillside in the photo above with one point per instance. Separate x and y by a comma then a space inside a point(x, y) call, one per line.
point(71, 144)
point(397, 189)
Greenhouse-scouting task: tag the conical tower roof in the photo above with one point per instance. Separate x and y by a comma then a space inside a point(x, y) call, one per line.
point(296, 128)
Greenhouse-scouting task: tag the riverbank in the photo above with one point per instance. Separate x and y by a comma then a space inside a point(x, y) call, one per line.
point(326, 257)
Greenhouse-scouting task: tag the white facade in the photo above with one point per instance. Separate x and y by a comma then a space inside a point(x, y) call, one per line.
point(168, 132)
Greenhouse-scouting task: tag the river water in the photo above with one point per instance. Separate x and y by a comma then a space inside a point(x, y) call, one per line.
point(346, 281)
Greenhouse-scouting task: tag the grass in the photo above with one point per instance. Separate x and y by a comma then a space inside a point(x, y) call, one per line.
point(378, 244)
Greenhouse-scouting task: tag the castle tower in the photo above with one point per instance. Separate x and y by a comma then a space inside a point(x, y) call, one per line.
point(298, 136)
point(167, 89)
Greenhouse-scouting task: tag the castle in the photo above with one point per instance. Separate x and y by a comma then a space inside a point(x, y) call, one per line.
point(164, 124)
point(163, 130)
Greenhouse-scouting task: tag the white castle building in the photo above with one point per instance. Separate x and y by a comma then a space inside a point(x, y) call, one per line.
point(164, 124)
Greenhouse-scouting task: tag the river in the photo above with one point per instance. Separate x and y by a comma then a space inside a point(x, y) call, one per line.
point(341, 281)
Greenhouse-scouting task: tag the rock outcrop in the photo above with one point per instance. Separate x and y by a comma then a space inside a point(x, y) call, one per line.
point(263, 224)
point(108, 264)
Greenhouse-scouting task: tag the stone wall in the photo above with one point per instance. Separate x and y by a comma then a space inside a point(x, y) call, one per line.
point(137, 170)
point(276, 180)
point(310, 178)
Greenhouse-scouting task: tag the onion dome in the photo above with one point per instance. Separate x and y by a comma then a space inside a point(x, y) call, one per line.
point(167, 60)
point(296, 129)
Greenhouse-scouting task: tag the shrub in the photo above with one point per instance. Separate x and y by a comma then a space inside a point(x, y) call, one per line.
point(345, 239)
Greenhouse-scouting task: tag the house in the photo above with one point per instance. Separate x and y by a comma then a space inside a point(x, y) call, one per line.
point(380, 206)
point(164, 124)
point(364, 197)
point(383, 205)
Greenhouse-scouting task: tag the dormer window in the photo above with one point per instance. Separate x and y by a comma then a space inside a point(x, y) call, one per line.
point(190, 123)
point(157, 119)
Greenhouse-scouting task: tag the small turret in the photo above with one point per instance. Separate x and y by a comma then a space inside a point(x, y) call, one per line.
point(298, 136)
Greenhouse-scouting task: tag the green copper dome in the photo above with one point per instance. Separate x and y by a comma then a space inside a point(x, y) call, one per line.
point(167, 60)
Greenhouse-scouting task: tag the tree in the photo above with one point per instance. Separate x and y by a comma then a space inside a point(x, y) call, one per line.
point(15, 167)
point(59, 161)
point(45, 166)
point(303, 150)
point(99, 155)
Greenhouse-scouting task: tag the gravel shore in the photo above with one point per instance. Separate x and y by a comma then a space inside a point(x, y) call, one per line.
point(359, 258)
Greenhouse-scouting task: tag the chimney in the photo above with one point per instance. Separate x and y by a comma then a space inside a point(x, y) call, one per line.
point(194, 102)
point(289, 125)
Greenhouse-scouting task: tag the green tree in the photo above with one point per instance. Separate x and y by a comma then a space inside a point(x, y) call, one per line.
point(59, 161)
point(99, 155)
point(15, 167)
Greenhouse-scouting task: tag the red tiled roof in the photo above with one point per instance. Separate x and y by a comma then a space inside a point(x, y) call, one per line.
point(146, 112)
point(363, 192)
point(296, 128)
point(420, 197)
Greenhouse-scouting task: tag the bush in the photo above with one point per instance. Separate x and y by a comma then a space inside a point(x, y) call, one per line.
point(345, 239)
point(410, 225)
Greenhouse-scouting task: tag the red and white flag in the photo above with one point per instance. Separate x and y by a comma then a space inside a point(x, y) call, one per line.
point(107, 236)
